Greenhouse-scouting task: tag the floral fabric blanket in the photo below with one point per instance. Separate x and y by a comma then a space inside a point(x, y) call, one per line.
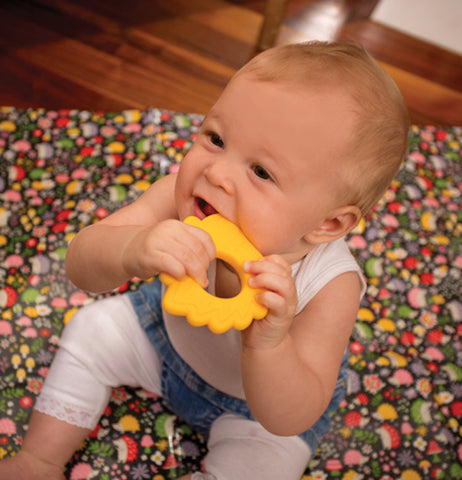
point(402, 418)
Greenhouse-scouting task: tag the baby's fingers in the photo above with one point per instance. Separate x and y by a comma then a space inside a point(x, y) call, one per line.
point(275, 304)
point(283, 285)
point(272, 264)
point(195, 251)
point(270, 273)
point(274, 275)
point(204, 243)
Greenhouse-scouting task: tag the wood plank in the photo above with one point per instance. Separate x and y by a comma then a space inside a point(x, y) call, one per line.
point(405, 52)
point(47, 90)
point(179, 54)
point(110, 76)
point(106, 34)
point(214, 28)
point(428, 102)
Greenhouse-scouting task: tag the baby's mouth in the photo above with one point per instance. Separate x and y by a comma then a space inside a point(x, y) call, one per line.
point(205, 207)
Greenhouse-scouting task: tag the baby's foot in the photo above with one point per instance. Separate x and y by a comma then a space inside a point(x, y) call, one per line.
point(24, 466)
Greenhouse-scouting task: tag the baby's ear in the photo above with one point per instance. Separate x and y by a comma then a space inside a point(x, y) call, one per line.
point(336, 225)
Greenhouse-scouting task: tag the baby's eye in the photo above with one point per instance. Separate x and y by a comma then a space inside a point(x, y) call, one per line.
point(261, 172)
point(216, 140)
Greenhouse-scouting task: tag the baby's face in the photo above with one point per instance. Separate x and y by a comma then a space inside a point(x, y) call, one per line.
point(268, 158)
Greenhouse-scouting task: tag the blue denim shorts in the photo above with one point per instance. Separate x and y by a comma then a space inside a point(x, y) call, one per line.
point(190, 397)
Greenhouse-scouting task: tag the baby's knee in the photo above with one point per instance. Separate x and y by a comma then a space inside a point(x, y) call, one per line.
point(107, 338)
point(94, 327)
point(241, 448)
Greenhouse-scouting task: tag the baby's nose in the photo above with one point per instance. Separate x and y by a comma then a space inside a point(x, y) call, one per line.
point(221, 175)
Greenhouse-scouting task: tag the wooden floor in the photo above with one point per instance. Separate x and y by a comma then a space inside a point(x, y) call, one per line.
point(179, 54)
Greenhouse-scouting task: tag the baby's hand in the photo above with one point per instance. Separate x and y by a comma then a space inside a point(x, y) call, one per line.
point(171, 247)
point(274, 275)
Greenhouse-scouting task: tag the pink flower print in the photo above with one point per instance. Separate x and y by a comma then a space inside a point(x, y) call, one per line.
point(81, 471)
point(35, 385)
point(373, 383)
point(7, 426)
point(119, 395)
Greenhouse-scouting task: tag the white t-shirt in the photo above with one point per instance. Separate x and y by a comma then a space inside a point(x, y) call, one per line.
point(216, 358)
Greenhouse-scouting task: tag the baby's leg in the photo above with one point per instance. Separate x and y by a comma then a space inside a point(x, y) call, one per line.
point(102, 347)
point(42, 447)
point(243, 449)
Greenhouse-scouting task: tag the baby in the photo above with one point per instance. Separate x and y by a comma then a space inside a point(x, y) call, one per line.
point(302, 142)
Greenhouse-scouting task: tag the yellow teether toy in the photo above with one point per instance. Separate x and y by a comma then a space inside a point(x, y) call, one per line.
point(187, 298)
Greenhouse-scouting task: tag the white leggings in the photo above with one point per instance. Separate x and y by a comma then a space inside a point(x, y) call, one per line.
point(104, 347)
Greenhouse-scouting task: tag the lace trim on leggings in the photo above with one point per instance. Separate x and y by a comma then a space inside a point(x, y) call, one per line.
point(203, 476)
point(66, 412)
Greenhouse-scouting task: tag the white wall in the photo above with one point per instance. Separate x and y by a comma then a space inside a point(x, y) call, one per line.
point(435, 21)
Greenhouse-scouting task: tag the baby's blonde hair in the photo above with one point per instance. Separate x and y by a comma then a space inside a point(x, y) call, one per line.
point(379, 144)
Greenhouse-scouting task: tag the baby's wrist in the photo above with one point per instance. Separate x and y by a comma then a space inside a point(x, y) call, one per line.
point(251, 346)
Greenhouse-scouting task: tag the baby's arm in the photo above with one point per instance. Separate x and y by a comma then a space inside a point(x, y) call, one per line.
point(141, 239)
point(290, 365)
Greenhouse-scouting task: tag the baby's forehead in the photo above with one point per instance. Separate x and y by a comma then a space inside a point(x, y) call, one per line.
point(302, 88)
point(319, 108)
